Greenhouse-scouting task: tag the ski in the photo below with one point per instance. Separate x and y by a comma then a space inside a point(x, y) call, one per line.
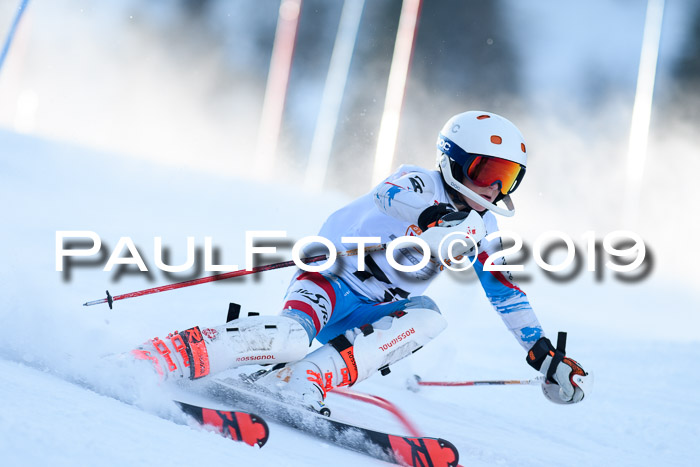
point(404, 450)
point(237, 425)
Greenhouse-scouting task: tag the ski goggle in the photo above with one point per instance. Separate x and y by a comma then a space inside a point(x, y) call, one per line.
point(485, 171)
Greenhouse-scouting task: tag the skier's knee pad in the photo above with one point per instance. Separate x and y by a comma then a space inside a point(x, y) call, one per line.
point(375, 346)
point(196, 352)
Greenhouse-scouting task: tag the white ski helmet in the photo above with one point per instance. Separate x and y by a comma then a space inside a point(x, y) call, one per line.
point(487, 149)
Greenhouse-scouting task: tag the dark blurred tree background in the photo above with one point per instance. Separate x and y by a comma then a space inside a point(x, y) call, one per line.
point(464, 58)
point(686, 72)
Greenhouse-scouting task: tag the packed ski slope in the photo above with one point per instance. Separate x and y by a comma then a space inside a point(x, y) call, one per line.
point(62, 403)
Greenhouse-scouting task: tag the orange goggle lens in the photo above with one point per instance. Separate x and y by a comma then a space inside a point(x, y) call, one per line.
point(485, 171)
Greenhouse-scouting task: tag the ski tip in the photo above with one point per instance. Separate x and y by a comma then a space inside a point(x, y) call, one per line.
point(263, 431)
point(246, 427)
point(437, 452)
point(448, 450)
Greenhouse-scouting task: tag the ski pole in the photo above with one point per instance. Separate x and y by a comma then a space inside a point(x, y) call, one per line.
point(226, 275)
point(415, 382)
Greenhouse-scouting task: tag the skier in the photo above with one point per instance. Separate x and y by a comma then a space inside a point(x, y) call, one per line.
point(369, 318)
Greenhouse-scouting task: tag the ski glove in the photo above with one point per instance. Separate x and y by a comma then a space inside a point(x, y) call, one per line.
point(431, 215)
point(560, 370)
point(455, 234)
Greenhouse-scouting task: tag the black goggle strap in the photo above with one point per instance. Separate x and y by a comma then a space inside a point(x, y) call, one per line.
point(518, 179)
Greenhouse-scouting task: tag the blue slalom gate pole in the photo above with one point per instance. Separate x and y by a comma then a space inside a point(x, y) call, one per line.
point(12, 31)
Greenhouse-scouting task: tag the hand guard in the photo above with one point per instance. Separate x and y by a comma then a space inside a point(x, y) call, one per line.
point(572, 381)
point(430, 216)
point(456, 225)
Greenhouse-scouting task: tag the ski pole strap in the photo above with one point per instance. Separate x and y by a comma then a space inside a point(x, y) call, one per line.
point(559, 354)
point(561, 341)
point(344, 348)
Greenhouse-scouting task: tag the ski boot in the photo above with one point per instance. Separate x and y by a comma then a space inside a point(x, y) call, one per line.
point(195, 352)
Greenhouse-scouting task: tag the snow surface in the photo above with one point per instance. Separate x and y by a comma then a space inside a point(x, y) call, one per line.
point(63, 403)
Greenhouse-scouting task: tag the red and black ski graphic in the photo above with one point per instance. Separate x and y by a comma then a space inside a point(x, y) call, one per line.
point(234, 424)
point(423, 451)
point(404, 450)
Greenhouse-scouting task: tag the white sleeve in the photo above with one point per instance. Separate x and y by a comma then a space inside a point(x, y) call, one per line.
point(406, 197)
point(507, 298)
